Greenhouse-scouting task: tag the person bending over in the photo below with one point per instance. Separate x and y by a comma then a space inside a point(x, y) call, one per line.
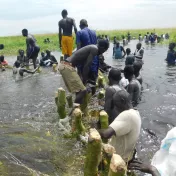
point(124, 131)
point(83, 56)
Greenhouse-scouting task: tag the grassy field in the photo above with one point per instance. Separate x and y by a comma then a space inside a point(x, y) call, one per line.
point(14, 43)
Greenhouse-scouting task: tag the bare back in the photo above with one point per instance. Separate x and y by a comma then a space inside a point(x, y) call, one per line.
point(66, 25)
point(84, 56)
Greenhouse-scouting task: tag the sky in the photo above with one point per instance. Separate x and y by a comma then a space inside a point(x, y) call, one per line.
point(42, 16)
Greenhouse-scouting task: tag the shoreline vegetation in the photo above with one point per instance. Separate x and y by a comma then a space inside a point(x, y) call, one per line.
point(14, 43)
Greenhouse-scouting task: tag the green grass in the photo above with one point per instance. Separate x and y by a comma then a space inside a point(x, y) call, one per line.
point(14, 43)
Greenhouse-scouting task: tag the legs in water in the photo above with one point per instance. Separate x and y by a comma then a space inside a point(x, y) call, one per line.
point(34, 59)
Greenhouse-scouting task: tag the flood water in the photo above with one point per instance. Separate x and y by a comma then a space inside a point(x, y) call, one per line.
point(30, 142)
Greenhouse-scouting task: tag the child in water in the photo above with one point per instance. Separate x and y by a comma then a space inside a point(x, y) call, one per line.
point(3, 63)
point(19, 71)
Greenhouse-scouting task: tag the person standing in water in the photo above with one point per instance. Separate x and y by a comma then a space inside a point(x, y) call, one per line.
point(139, 53)
point(130, 57)
point(65, 34)
point(134, 87)
point(117, 51)
point(30, 39)
point(114, 79)
point(137, 67)
point(171, 55)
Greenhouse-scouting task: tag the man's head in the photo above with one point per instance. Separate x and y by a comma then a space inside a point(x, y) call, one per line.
point(128, 51)
point(114, 76)
point(115, 37)
point(48, 52)
point(128, 71)
point(118, 44)
point(25, 32)
point(64, 13)
point(102, 36)
point(138, 46)
point(1, 46)
point(172, 46)
point(147, 32)
point(137, 67)
point(103, 46)
point(121, 100)
point(83, 24)
point(1, 58)
point(17, 64)
point(106, 36)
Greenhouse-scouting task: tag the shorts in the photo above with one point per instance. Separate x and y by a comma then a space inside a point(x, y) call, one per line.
point(67, 45)
point(71, 78)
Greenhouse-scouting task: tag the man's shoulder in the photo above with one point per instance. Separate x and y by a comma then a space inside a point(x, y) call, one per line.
point(128, 113)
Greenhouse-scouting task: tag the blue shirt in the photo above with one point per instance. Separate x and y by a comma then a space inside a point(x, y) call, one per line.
point(86, 37)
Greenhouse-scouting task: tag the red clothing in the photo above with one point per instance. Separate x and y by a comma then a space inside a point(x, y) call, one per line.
point(4, 63)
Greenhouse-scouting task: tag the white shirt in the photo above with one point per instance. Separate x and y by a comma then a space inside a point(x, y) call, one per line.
point(127, 126)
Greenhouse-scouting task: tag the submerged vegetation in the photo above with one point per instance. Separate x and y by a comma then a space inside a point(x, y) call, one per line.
point(14, 43)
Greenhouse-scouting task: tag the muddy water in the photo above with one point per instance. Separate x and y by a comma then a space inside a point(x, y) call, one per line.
point(30, 142)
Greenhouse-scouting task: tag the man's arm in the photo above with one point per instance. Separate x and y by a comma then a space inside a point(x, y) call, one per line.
point(60, 35)
point(130, 90)
point(124, 52)
point(108, 99)
point(107, 134)
point(78, 40)
point(137, 165)
point(28, 71)
point(74, 25)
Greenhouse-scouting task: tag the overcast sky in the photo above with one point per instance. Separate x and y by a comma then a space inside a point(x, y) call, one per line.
point(42, 16)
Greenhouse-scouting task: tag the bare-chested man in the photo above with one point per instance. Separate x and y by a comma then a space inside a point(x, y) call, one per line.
point(134, 87)
point(83, 56)
point(65, 34)
point(114, 79)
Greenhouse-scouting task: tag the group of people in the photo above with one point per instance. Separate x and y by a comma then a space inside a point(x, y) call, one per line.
point(80, 72)
point(80, 68)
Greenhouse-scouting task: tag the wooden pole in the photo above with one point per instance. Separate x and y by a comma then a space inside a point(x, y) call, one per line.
point(93, 155)
point(117, 166)
point(104, 122)
point(60, 100)
point(77, 125)
point(69, 101)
